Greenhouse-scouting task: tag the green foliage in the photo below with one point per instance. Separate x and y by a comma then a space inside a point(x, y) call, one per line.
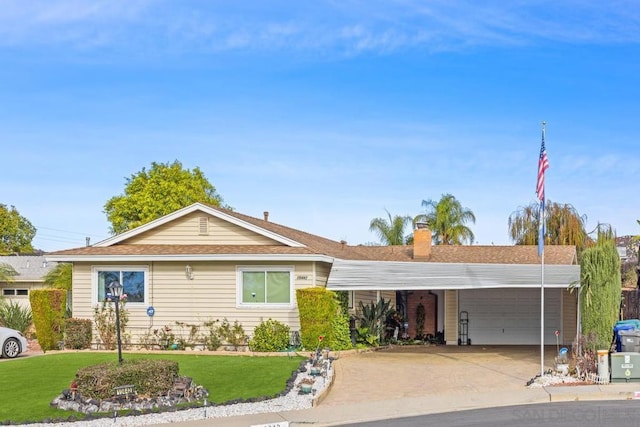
point(600, 291)
point(16, 232)
point(364, 336)
point(161, 190)
point(372, 316)
point(270, 335)
point(391, 230)
point(48, 308)
point(226, 378)
point(15, 316)
point(317, 307)
point(340, 339)
point(232, 335)
point(104, 317)
point(447, 220)
point(343, 299)
point(7, 273)
point(150, 377)
point(60, 277)
point(420, 316)
point(211, 339)
point(77, 334)
point(564, 225)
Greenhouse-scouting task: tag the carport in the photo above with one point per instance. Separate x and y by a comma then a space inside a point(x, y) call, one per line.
point(502, 299)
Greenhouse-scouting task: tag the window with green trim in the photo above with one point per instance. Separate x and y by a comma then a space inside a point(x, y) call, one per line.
point(269, 286)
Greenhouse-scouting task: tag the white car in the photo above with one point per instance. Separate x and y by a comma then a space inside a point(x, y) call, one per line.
point(13, 342)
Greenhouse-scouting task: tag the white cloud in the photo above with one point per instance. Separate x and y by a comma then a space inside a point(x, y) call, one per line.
point(349, 27)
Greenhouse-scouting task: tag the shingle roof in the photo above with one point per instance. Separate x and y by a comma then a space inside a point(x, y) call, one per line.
point(28, 267)
point(322, 246)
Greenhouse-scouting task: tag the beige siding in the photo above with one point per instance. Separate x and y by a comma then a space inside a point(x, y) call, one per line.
point(187, 230)
point(22, 300)
point(368, 297)
point(211, 295)
point(322, 271)
point(451, 317)
point(569, 316)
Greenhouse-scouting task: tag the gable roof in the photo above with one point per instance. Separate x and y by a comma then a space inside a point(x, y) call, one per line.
point(297, 245)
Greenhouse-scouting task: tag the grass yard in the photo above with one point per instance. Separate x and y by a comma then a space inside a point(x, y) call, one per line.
point(28, 385)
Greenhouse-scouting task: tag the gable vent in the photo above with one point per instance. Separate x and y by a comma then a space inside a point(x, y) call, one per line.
point(203, 223)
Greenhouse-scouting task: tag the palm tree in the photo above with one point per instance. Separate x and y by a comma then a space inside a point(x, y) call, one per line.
point(7, 273)
point(60, 276)
point(563, 224)
point(391, 231)
point(447, 220)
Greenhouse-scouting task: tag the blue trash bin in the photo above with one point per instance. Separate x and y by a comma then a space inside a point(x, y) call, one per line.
point(624, 325)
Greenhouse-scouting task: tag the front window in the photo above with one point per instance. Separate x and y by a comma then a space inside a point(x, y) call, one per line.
point(265, 286)
point(133, 280)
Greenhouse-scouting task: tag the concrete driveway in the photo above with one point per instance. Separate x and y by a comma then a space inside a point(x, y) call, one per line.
point(422, 371)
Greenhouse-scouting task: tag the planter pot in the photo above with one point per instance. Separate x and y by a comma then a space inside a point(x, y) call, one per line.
point(562, 368)
point(316, 370)
point(306, 388)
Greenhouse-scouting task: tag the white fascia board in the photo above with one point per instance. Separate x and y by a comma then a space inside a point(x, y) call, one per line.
point(384, 275)
point(190, 209)
point(187, 257)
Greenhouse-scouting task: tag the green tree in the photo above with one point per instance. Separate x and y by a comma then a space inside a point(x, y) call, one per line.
point(7, 273)
point(600, 291)
point(564, 225)
point(447, 219)
point(390, 231)
point(60, 276)
point(150, 194)
point(16, 232)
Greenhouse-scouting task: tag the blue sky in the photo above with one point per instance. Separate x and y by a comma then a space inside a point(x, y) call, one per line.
point(322, 113)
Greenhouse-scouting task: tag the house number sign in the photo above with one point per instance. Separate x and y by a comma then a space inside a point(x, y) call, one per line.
point(151, 311)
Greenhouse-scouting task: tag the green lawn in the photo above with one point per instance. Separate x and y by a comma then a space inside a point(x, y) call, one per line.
point(28, 385)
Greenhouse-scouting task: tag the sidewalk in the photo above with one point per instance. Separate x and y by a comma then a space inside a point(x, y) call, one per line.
point(384, 385)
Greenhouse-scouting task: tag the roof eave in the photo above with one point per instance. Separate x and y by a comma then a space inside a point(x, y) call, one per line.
point(190, 257)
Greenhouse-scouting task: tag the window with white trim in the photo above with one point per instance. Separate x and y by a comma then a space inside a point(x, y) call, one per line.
point(14, 292)
point(268, 286)
point(132, 279)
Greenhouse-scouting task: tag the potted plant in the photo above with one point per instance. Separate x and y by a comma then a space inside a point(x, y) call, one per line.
point(306, 385)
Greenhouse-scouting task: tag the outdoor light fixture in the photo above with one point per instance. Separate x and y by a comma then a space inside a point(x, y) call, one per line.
point(188, 271)
point(115, 290)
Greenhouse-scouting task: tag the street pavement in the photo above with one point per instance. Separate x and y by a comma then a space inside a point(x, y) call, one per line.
point(405, 381)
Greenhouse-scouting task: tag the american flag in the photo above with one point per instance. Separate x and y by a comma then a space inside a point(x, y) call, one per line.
point(543, 165)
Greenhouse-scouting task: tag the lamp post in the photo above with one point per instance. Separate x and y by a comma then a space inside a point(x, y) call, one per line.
point(115, 289)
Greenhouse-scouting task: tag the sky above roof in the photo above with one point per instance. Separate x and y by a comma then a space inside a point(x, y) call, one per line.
point(323, 113)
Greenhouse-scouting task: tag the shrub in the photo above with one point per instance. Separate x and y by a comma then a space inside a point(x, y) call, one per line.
point(233, 335)
point(270, 335)
point(104, 316)
point(341, 337)
point(149, 377)
point(15, 316)
point(211, 340)
point(48, 308)
point(77, 333)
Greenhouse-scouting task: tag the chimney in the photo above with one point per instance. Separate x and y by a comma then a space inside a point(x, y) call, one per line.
point(87, 241)
point(266, 215)
point(421, 241)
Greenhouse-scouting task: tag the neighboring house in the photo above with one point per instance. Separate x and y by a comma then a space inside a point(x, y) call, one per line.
point(31, 270)
point(204, 263)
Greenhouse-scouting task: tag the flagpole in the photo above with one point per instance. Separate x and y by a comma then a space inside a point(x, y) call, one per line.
point(542, 301)
point(541, 245)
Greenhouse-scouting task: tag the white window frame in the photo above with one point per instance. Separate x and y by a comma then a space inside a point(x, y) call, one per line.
point(14, 292)
point(265, 305)
point(94, 281)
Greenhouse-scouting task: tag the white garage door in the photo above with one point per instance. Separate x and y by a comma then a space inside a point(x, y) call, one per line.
point(510, 316)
